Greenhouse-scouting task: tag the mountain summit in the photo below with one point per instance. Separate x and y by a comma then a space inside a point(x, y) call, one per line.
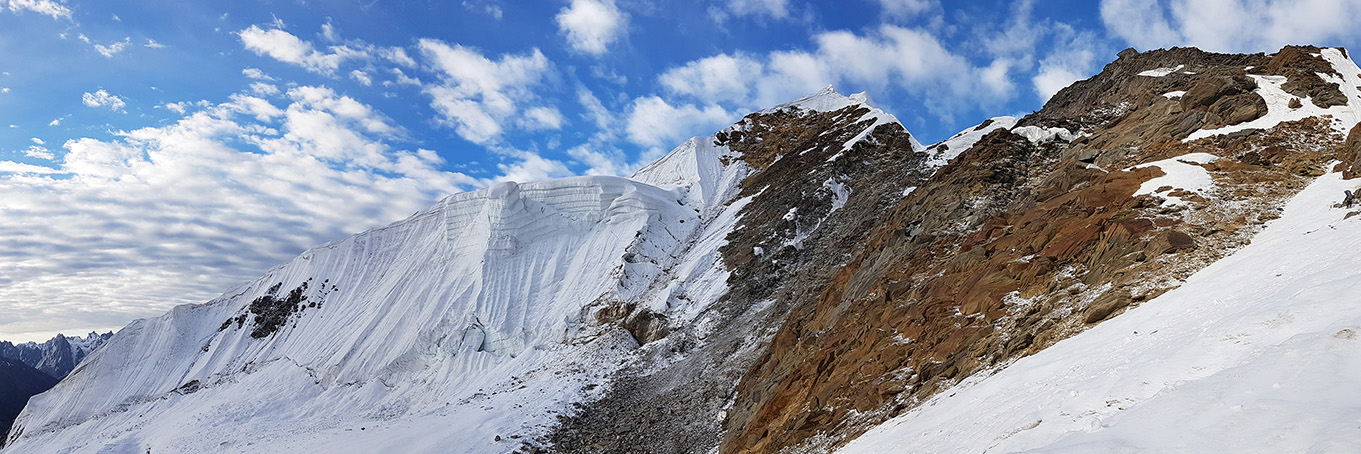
point(789, 282)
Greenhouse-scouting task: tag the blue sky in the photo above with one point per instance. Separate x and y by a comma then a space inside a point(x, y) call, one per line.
point(157, 152)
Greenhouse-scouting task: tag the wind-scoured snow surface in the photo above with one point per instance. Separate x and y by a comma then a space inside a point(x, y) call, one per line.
point(439, 333)
point(1255, 353)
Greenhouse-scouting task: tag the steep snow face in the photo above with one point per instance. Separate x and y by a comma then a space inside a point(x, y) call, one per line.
point(466, 323)
point(1255, 353)
point(696, 169)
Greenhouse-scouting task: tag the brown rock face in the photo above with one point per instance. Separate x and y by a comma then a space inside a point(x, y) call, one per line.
point(1014, 246)
point(1350, 154)
point(841, 313)
point(794, 235)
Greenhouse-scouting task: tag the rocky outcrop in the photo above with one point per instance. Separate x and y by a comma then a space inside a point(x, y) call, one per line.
point(1017, 244)
point(819, 181)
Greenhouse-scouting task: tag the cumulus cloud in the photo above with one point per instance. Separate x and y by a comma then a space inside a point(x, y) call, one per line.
point(654, 122)
point(477, 95)
point(1232, 25)
point(288, 48)
point(102, 98)
point(1073, 58)
point(889, 57)
point(591, 25)
point(531, 167)
point(264, 89)
point(52, 8)
point(178, 213)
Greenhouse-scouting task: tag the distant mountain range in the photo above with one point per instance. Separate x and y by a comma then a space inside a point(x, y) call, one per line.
point(57, 356)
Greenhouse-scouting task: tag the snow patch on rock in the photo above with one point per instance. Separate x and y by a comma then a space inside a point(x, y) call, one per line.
point(1343, 117)
point(1036, 134)
point(1161, 72)
point(1181, 173)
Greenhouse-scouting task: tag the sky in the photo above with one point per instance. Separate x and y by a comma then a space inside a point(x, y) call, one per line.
point(160, 152)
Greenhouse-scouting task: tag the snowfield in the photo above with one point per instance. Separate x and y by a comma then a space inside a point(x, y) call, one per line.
point(1255, 353)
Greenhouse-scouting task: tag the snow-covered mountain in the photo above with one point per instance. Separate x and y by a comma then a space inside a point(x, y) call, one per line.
point(797, 279)
point(57, 356)
point(463, 328)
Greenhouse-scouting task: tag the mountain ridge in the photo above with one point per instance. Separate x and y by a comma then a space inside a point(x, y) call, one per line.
point(785, 283)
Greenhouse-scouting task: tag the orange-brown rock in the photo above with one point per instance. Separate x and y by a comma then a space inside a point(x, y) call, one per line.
point(1014, 246)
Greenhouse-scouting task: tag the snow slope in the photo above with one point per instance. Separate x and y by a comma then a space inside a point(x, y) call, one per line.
point(1255, 353)
point(472, 318)
point(467, 327)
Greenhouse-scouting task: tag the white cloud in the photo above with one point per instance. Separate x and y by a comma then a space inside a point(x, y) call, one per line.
point(183, 107)
point(362, 77)
point(477, 95)
point(718, 77)
point(489, 8)
point(654, 122)
point(539, 118)
point(398, 55)
point(19, 168)
point(532, 167)
point(4, 90)
point(890, 57)
point(778, 9)
point(47, 7)
point(151, 43)
point(174, 214)
point(54, 122)
point(102, 98)
point(285, 47)
point(595, 110)
point(39, 152)
point(906, 9)
point(264, 89)
point(1232, 25)
point(110, 50)
point(37, 141)
point(591, 25)
point(1072, 59)
point(256, 73)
